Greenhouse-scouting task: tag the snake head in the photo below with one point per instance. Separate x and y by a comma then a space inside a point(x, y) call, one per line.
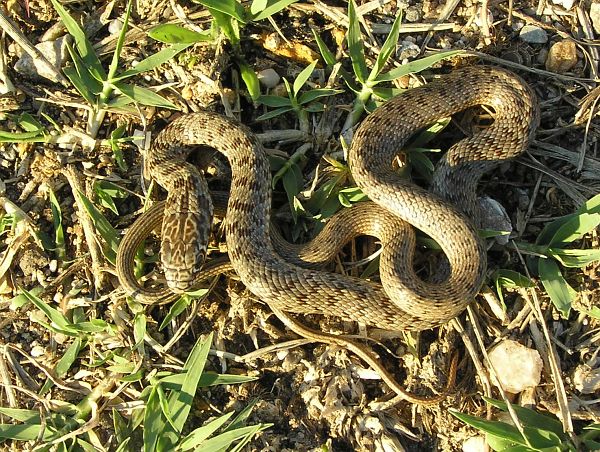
point(183, 248)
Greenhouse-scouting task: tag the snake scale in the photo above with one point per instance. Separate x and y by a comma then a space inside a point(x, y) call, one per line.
point(447, 212)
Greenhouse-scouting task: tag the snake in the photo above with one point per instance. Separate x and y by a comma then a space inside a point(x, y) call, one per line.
point(447, 212)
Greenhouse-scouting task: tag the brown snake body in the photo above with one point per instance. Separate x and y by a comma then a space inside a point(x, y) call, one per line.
point(403, 300)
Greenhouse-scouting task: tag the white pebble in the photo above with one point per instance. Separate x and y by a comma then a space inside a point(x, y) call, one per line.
point(595, 16)
point(516, 366)
point(474, 444)
point(115, 26)
point(566, 4)
point(37, 351)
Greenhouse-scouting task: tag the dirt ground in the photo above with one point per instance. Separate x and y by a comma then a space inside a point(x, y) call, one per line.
point(317, 397)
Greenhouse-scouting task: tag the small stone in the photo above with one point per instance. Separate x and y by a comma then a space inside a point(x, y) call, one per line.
point(541, 56)
point(474, 444)
point(37, 351)
point(495, 218)
point(595, 16)
point(268, 78)
point(533, 34)
point(566, 4)
point(54, 51)
point(408, 50)
point(586, 379)
point(517, 25)
point(115, 26)
point(562, 56)
point(516, 366)
point(412, 14)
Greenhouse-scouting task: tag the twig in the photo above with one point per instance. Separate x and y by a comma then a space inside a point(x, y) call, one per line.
point(88, 228)
point(586, 27)
point(555, 369)
point(485, 25)
point(492, 371)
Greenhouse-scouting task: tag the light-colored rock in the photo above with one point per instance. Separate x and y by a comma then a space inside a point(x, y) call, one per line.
point(595, 16)
point(495, 218)
point(562, 56)
point(413, 14)
point(407, 50)
point(54, 51)
point(268, 78)
point(533, 35)
point(516, 366)
point(474, 444)
point(115, 26)
point(586, 379)
point(566, 4)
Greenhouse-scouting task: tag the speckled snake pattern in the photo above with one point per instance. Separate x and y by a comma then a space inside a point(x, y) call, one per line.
point(447, 212)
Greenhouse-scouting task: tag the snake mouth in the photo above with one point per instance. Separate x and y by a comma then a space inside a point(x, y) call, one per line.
point(179, 281)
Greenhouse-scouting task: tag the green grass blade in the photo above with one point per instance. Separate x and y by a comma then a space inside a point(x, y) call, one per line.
point(303, 77)
point(105, 192)
point(59, 234)
point(114, 64)
point(142, 96)
point(195, 438)
point(355, 45)
point(24, 432)
point(176, 308)
point(327, 54)
point(274, 101)
point(115, 139)
point(576, 227)
point(530, 417)
point(176, 34)
point(174, 382)
point(104, 228)
point(592, 205)
point(154, 423)
point(314, 94)
point(139, 331)
point(180, 402)
point(58, 320)
point(251, 80)
point(241, 418)
point(388, 47)
point(82, 79)
point(509, 279)
point(417, 65)
point(64, 363)
point(273, 7)
point(229, 7)
point(574, 258)
point(227, 438)
point(23, 137)
point(22, 415)
point(256, 6)
point(84, 46)
point(228, 25)
point(559, 291)
point(496, 428)
point(274, 113)
point(153, 61)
